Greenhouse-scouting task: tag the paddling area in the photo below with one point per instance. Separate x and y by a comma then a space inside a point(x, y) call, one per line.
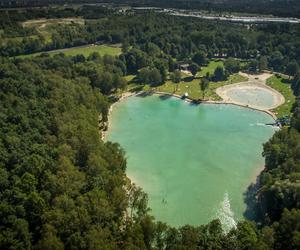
point(253, 93)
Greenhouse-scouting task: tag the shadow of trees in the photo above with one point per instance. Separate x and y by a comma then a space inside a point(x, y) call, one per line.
point(250, 198)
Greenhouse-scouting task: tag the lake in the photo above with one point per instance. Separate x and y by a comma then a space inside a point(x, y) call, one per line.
point(195, 162)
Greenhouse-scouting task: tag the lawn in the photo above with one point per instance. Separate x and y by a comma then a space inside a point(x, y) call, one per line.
point(283, 86)
point(210, 68)
point(84, 50)
point(191, 87)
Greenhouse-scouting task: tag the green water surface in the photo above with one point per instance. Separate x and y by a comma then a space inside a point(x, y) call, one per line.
point(195, 162)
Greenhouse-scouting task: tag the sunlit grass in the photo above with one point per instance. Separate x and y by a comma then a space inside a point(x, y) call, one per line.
point(84, 50)
point(191, 87)
point(210, 68)
point(283, 86)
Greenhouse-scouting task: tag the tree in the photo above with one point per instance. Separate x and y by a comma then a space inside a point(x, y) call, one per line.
point(276, 61)
point(194, 68)
point(143, 76)
point(155, 77)
point(287, 232)
point(152, 49)
point(125, 46)
point(296, 83)
point(162, 66)
point(204, 83)
point(49, 239)
point(150, 76)
point(137, 202)
point(176, 76)
point(219, 74)
point(246, 235)
point(292, 68)
point(253, 65)
point(263, 63)
point(232, 65)
point(199, 58)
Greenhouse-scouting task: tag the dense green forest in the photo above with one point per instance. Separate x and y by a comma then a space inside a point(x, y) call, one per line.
point(62, 187)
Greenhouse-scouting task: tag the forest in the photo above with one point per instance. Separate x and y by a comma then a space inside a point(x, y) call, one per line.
point(284, 8)
point(62, 187)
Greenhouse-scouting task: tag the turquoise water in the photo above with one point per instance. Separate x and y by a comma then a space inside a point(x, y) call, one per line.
point(253, 97)
point(195, 162)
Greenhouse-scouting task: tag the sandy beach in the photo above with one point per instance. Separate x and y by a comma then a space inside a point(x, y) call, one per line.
point(254, 83)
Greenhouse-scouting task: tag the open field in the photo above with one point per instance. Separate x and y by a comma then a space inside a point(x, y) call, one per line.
point(45, 26)
point(41, 23)
point(83, 50)
point(280, 84)
point(210, 68)
point(193, 88)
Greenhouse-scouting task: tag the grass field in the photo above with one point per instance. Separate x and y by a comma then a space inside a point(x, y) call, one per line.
point(283, 86)
point(210, 68)
point(84, 50)
point(192, 87)
point(40, 23)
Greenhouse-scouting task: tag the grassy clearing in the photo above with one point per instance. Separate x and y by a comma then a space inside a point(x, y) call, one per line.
point(192, 87)
point(84, 50)
point(46, 27)
point(40, 23)
point(283, 86)
point(210, 68)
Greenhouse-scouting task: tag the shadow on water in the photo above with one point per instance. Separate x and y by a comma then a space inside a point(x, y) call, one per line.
point(137, 88)
point(144, 94)
point(195, 103)
point(250, 198)
point(164, 97)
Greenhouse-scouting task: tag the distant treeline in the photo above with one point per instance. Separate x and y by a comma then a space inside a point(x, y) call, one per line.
point(275, 46)
point(284, 8)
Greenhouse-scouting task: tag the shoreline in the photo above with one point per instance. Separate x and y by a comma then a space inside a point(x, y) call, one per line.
point(223, 102)
point(110, 110)
point(222, 92)
point(253, 178)
point(187, 99)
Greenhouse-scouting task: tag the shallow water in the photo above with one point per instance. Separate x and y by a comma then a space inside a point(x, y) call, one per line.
point(253, 96)
point(195, 162)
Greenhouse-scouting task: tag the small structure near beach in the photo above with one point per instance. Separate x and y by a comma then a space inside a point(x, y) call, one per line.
point(185, 95)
